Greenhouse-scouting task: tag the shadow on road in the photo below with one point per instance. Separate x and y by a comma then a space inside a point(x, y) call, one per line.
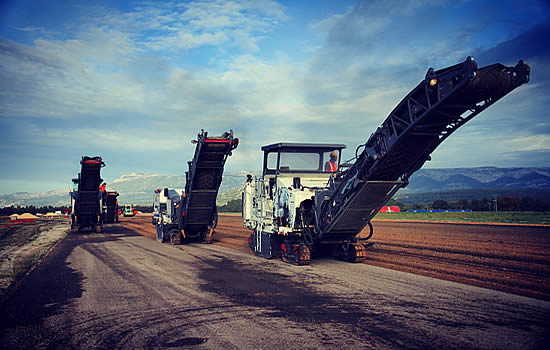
point(51, 286)
point(298, 301)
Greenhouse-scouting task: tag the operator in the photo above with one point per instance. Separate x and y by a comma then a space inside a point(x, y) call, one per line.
point(331, 166)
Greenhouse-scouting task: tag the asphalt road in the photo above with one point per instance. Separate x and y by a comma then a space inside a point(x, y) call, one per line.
point(121, 289)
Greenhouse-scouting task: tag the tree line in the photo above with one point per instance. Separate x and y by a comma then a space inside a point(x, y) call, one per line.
point(7, 211)
point(501, 203)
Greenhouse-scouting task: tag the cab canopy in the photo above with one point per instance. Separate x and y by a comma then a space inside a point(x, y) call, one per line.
point(286, 157)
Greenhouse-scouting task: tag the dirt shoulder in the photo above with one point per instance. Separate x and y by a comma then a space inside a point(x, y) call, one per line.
point(23, 245)
point(513, 258)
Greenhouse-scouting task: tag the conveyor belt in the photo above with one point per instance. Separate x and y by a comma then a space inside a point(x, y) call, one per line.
point(439, 105)
point(111, 215)
point(203, 180)
point(87, 206)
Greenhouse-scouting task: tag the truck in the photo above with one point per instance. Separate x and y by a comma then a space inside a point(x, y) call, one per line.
point(111, 207)
point(86, 197)
point(307, 202)
point(191, 213)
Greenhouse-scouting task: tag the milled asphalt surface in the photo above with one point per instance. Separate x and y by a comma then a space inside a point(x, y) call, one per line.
point(121, 290)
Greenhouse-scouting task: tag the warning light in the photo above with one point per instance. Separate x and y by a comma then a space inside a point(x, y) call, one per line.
point(433, 82)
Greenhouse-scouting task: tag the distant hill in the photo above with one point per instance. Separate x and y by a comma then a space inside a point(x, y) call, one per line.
point(38, 199)
point(139, 188)
point(469, 194)
point(442, 180)
point(133, 189)
point(447, 184)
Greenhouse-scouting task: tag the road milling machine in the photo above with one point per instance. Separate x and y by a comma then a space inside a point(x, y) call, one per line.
point(87, 196)
point(191, 214)
point(110, 206)
point(307, 202)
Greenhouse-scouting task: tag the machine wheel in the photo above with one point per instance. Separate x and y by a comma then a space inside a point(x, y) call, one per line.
point(355, 253)
point(175, 237)
point(296, 254)
point(207, 237)
point(305, 255)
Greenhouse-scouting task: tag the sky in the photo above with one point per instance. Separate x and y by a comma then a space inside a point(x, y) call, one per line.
point(136, 81)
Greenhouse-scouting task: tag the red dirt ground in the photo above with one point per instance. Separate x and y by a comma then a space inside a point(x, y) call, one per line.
point(513, 259)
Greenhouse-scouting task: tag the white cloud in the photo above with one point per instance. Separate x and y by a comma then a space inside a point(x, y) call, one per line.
point(527, 143)
point(134, 67)
point(324, 25)
point(135, 140)
point(100, 69)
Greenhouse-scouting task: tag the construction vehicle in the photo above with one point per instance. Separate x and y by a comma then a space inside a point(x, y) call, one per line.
point(164, 199)
point(192, 214)
point(129, 210)
point(165, 204)
point(86, 197)
point(111, 207)
point(299, 207)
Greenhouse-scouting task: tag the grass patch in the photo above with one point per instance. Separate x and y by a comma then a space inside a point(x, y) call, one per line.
point(17, 235)
point(25, 262)
point(511, 217)
point(23, 245)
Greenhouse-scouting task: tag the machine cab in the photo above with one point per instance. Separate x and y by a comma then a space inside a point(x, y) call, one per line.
point(292, 174)
point(306, 158)
point(299, 167)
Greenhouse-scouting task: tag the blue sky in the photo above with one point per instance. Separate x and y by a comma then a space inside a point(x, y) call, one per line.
point(135, 81)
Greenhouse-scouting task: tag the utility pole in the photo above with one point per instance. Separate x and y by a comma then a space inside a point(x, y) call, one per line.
point(495, 201)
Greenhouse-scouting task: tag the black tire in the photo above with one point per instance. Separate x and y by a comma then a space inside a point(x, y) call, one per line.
point(175, 237)
point(160, 231)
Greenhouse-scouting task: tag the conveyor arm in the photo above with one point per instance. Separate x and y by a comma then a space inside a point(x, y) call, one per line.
point(440, 104)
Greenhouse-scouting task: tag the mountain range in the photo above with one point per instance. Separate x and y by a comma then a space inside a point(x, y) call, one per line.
point(437, 180)
point(138, 188)
point(133, 189)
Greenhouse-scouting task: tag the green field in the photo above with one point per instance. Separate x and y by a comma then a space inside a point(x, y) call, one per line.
point(514, 217)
